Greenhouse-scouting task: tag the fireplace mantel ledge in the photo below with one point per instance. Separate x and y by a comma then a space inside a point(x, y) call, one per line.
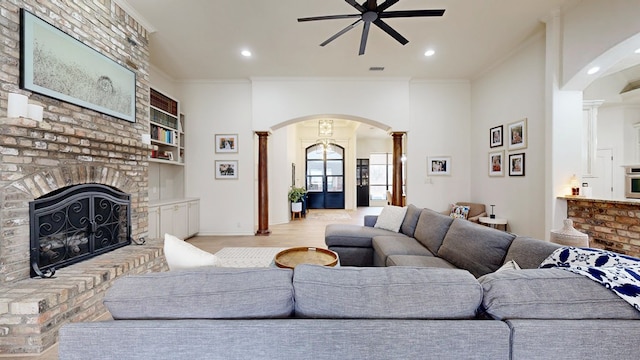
point(8, 127)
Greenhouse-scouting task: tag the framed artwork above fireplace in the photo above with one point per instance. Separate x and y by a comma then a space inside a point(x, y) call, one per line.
point(55, 64)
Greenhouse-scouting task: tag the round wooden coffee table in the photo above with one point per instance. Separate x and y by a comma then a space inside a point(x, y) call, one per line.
point(289, 258)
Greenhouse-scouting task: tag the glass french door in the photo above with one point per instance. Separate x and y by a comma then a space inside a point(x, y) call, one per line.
point(325, 177)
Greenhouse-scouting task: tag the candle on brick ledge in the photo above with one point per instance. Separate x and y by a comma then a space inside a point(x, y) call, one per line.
point(17, 105)
point(35, 112)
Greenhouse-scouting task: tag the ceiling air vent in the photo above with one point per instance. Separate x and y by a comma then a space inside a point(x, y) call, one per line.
point(376, 68)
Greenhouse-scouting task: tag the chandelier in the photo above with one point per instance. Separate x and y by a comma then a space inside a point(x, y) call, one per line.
point(325, 131)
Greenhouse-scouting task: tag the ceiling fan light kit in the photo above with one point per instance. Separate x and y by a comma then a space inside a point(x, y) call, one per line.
point(372, 13)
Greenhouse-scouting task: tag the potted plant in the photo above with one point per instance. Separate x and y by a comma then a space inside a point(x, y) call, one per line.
point(296, 195)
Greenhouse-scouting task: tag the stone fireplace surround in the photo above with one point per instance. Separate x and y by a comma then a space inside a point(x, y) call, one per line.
point(32, 310)
point(73, 145)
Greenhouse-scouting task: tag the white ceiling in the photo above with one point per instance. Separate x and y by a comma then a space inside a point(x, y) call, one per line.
point(202, 39)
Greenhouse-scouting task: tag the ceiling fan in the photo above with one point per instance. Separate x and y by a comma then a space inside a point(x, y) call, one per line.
point(372, 13)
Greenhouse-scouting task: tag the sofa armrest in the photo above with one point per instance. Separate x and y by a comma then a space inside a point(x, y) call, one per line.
point(476, 218)
point(370, 220)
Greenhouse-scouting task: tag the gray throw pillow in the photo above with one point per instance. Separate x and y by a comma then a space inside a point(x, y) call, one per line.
point(203, 293)
point(410, 221)
point(431, 228)
point(476, 248)
point(529, 252)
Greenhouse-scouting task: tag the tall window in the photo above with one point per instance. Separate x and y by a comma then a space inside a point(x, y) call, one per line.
point(380, 175)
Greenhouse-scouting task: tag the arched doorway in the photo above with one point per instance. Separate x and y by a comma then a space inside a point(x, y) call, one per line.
point(325, 176)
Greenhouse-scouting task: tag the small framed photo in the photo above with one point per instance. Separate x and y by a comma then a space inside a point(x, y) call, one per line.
point(517, 132)
point(226, 143)
point(226, 169)
point(495, 136)
point(516, 164)
point(496, 161)
point(439, 165)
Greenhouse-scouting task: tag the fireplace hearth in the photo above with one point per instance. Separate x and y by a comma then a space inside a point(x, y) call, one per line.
point(77, 223)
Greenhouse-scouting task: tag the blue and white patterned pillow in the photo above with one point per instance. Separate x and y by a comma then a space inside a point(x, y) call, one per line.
point(617, 272)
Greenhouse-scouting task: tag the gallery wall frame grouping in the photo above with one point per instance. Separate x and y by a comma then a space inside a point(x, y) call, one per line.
point(54, 64)
point(515, 135)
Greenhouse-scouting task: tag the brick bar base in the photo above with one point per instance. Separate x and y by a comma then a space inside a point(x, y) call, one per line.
point(611, 225)
point(33, 310)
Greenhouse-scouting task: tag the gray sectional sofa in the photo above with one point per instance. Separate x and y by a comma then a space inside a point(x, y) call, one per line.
point(432, 239)
point(437, 305)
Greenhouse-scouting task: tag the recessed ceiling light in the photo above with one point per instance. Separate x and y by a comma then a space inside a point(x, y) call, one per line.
point(376, 68)
point(429, 52)
point(246, 53)
point(593, 70)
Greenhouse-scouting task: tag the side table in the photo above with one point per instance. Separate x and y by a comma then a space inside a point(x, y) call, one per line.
point(494, 223)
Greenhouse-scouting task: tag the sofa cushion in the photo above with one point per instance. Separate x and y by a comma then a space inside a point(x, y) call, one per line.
point(384, 246)
point(391, 218)
point(419, 261)
point(550, 294)
point(431, 229)
point(182, 255)
point(529, 252)
point(410, 221)
point(204, 293)
point(474, 247)
point(349, 235)
point(386, 292)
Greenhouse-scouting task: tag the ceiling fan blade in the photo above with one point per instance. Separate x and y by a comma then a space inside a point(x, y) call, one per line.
point(365, 36)
point(328, 17)
point(372, 4)
point(385, 5)
point(339, 33)
point(389, 30)
point(411, 13)
point(356, 5)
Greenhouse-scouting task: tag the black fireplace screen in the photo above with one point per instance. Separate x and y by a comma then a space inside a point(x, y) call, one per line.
point(76, 223)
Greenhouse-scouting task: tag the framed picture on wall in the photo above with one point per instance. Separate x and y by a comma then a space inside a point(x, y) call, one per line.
point(439, 165)
point(517, 132)
point(516, 164)
point(56, 65)
point(495, 136)
point(496, 162)
point(226, 169)
point(226, 143)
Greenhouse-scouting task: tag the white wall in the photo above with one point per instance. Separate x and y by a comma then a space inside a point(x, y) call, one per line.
point(377, 101)
point(226, 206)
point(440, 121)
point(510, 92)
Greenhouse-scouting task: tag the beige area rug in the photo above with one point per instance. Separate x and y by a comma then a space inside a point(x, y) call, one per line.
point(247, 256)
point(328, 215)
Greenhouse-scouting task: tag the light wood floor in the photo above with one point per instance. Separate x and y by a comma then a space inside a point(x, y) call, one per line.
point(299, 232)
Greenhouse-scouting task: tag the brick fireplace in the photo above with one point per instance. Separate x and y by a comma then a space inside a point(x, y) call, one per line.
point(72, 146)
